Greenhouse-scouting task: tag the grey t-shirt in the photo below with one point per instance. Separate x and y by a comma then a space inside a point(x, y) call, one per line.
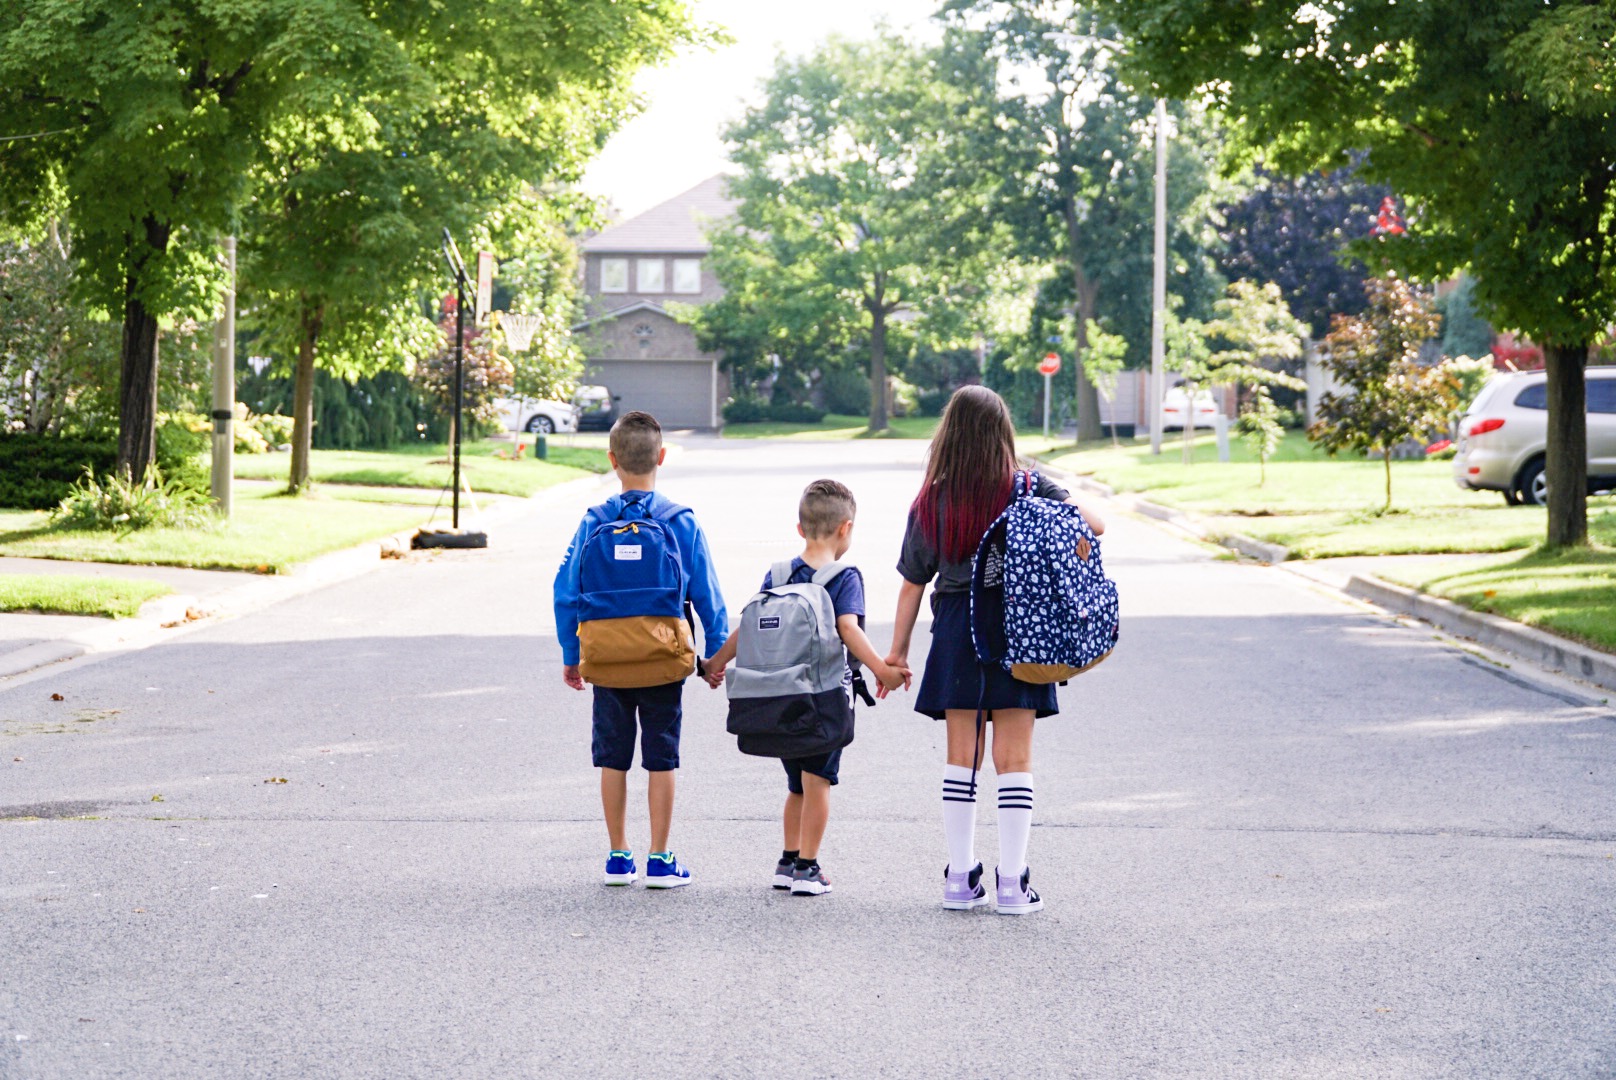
point(919, 561)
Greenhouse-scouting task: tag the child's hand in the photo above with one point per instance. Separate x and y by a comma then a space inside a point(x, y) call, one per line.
point(898, 664)
point(892, 678)
point(570, 676)
point(714, 676)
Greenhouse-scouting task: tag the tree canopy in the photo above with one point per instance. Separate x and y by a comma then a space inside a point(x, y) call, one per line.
point(1494, 119)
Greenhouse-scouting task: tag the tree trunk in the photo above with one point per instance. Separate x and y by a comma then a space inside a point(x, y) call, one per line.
point(878, 361)
point(137, 388)
point(1566, 460)
point(1088, 398)
point(1386, 456)
point(303, 397)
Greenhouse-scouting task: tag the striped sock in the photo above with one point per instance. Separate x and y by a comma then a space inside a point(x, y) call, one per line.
point(1015, 822)
point(959, 817)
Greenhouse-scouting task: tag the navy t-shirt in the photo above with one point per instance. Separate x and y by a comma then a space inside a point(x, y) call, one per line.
point(846, 589)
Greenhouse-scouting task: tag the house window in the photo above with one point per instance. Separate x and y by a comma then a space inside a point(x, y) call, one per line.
point(613, 275)
point(650, 273)
point(687, 275)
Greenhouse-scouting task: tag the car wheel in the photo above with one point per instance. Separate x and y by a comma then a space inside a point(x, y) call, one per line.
point(541, 425)
point(1532, 485)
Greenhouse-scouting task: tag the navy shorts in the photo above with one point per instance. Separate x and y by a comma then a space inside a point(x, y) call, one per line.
point(659, 716)
point(955, 679)
point(825, 766)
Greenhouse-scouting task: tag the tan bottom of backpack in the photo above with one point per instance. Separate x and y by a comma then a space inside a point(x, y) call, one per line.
point(640, 650)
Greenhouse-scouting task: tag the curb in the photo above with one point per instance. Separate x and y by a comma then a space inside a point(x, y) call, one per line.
point(160, 618)
point(1538, 646)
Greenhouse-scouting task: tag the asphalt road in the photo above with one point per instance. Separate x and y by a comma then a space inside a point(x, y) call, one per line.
point(1277, 836)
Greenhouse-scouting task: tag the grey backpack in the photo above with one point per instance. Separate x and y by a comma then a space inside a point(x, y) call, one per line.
point(788, 694)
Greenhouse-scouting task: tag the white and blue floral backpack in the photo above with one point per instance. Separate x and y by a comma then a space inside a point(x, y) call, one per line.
point(1041, 605)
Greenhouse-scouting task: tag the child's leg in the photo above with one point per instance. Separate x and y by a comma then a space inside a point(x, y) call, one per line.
point(1012, 760)
point(614, 801)
point(661, 714)
point(959, 791)
point(791, 819)
point(815, 812)
point(613, 749)
point(659, 793)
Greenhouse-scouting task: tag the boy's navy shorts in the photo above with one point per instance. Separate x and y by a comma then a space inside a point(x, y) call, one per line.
point(660, 713)
point(826, 766)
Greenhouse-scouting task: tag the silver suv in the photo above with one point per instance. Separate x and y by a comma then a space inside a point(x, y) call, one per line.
point(1502, 435)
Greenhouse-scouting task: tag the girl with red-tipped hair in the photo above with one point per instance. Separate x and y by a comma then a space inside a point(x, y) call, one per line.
point(970, 473)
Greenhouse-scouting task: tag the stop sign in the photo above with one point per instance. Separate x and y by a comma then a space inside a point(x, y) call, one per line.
point(1050, 364)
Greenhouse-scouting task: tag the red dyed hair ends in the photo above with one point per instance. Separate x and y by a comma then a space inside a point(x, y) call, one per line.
point(970, 472)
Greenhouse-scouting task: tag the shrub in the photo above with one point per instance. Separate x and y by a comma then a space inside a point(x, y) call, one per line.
point(182, 441)
point(905, 398)
point(38, 471)
point(115, 503)
point(846, 391)
point(744, 410)
point(273, 428)
point(795, 412)
point(931, 402)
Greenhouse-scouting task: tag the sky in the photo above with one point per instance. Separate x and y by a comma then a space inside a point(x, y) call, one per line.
point(674, 144)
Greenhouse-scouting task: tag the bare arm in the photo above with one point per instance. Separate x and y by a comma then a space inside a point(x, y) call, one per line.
point(858, 643)
point(1095, 522)
point(716, 663)
point(903, 629)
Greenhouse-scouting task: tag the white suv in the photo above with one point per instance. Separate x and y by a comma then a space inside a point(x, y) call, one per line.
point(538, 417)
point(1501, 437)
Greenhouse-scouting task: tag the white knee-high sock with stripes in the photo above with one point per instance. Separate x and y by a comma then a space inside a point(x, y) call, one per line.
point(1015, 822)
point(959, 817)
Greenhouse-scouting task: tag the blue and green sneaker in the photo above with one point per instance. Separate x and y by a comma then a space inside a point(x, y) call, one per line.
point(620, 869)
point(662, 871)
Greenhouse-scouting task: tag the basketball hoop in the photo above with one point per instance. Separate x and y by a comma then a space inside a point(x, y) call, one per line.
point(519, 329)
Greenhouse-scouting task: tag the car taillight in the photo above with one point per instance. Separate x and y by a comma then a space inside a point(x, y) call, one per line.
point(1482, 427)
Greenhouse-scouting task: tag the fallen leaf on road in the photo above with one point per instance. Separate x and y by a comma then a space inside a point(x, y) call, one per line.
point(1490, 593)
point(156, 798)
point(57, 697)
point(140, 911)
point(16, 759)
point(276, 780)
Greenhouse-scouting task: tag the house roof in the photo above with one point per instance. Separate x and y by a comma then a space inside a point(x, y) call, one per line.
point(679, 224)
point(617, 313)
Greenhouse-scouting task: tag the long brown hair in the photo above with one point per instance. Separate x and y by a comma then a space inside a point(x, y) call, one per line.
point(970, 472)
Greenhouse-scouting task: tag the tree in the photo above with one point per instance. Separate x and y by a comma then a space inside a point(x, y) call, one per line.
point(1259, 426)
point(54, 355)
point(142, 121)
point(1102, 360)
point(147, 120)
point(1391, 396)
point(858, 196)
point(488, 375)
point(348, 223)
point(1501, 137)
point(1071, 148)
point(1295, 232)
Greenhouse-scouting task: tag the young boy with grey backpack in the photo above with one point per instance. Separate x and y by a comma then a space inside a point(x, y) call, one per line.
point(792, 684)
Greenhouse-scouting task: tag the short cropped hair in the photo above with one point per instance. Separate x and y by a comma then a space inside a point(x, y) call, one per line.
point(635, 440)
point(825, 505)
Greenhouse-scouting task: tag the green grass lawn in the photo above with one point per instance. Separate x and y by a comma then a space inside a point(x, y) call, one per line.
point(1318, 506)
point(75, 594)
point(268, 533)
point(834, 427)
point(426, 466)
point(1570, 593)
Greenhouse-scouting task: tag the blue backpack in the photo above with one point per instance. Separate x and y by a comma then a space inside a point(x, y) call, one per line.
point(1041, 605)
point(635, 626)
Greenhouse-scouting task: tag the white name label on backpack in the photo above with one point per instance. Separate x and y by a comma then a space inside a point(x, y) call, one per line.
point(627, 552)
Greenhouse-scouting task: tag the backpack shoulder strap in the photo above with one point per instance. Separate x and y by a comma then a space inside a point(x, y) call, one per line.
point(1026, 482)
point(779, 573)
point(827, 573)
point(668, 510)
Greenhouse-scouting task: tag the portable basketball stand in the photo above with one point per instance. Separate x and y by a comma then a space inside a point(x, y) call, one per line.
point(455, 536)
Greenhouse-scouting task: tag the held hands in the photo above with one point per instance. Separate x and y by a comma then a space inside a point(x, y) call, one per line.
point(893, 673)
point(712, 675)
point(570, 676)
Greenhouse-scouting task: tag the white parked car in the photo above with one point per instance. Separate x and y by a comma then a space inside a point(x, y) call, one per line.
point(538, 417)
point(1176, 406)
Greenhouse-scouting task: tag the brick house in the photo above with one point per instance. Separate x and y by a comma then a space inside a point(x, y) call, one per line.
point(631, 345)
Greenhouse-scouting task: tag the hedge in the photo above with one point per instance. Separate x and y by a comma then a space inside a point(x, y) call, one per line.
point(36, 471)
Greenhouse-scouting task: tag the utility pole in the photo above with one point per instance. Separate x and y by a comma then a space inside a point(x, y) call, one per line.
point(224, 387)
point(1158, 319)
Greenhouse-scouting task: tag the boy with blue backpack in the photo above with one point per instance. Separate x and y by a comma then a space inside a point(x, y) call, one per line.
point(791, 690)
point(636, 569)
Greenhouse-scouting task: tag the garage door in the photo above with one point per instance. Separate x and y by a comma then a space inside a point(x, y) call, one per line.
point(678, 393)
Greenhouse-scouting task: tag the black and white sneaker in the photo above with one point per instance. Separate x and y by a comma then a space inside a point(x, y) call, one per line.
point(782, 873)
point(1016, 896)
point(809, 882)
point(963, 892)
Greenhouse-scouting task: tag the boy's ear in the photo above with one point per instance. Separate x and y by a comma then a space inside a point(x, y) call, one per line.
point(800, 532)
point(845, 529)
point(611, 458)
point(661, 454)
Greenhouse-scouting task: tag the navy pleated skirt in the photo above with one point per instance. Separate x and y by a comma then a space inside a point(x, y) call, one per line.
point(954, 679)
